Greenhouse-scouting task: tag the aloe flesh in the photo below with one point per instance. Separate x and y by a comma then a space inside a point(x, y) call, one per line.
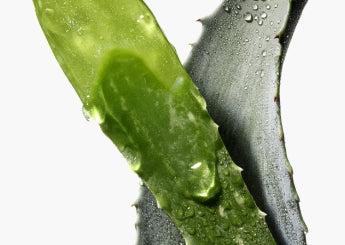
point(131, 82)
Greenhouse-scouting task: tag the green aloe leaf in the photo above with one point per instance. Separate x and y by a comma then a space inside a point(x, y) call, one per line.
point(132, 83)
point(236, 65)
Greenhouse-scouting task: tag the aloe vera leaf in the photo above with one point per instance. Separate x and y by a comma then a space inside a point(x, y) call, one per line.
point(236, 65)
point(146, 103)
point(80, 33)
point(154, 226)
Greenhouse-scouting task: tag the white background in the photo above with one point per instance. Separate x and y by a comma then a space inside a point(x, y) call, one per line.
point(63, 182)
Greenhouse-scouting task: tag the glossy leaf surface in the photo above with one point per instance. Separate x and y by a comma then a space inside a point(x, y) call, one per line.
point(236, 65)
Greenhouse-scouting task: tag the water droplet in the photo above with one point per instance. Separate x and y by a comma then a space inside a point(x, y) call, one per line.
point(264, 15)
point(189, 212)
point(255, 7)
point(248, 17)
point(264, 53)
point(260, 22)
point(86, 114)
point(276, 5)
point(239, 198)
point(227, 9)
point(260, 73)
point(196, 165)
point(238, 7)
point(179, 213)
point(49, 11)
point(97, 115)
point(267, 38)
point(268, 6)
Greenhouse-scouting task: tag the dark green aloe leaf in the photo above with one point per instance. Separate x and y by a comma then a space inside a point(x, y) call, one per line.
point(154, 226)
point(296, 9)
point(236, 65)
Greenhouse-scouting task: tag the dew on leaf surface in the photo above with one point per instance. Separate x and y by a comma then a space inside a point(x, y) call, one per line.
point(227, 9)
point(248, 17)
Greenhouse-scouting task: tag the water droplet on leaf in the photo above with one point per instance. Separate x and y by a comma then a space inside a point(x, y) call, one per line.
point(86, 114)
point(248, 17)
point(189, 212)
point(227, 9)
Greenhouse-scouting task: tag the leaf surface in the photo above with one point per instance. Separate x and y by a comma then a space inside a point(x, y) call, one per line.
point(132, 83)
point(236, 65)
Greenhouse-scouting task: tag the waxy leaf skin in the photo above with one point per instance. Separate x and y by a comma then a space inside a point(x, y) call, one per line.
point(236, 65)
point(132, 83)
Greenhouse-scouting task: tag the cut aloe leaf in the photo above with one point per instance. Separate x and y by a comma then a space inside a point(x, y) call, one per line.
point(132, 83)
point(236, 65)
